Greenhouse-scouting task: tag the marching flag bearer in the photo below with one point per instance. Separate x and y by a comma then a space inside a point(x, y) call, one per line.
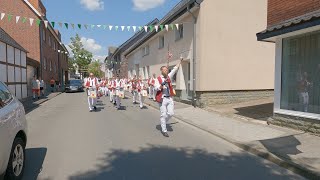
point(92, 84)
point(141, 89)
point(165, 92)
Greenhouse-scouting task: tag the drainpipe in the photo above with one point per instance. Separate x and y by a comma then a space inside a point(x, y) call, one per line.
point(194, 95)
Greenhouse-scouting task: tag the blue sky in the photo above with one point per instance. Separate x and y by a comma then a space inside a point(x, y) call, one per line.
point(109, 12)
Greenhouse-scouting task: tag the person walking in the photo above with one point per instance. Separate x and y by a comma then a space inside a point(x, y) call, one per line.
point(118, 84)
point(110, 89)
point(134, 89)
point(41, 87)
point(165, 92)
point(141, 88)
point(92, 84)
point(52, 83)
point(35, 88)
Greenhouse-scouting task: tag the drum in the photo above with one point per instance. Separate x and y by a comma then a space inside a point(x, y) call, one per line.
point(92, 93)
point(121, 94)
point(144, 93)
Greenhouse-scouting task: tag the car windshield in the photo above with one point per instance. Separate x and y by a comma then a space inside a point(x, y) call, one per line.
point(74, 82)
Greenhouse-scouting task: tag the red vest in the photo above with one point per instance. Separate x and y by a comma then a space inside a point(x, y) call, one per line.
point(95, 83)
point(159, 93)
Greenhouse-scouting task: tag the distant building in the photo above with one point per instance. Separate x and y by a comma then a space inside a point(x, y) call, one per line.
point(13, 65)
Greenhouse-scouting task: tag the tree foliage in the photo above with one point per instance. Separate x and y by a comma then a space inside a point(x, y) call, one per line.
point(95, 68)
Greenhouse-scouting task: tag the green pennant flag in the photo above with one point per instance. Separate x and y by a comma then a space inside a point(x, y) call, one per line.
point(86, 26)
point(151, 28)
point(67, 25)
point(53, 24)
point(79, 26)
point(117, 27)
point(104, 26)
point(161, 27)
point(24, 20)
point(140, 28)
point(172, 26)
point(38, 22)
point(9, 17)
point(92, 26)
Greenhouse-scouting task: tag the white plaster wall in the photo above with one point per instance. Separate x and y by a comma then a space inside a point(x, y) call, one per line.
point(3, 73)
point(10, 74)
point(24, 75)
point(24, 91)
point(17, 57)
point(23, 59)
point(18, 91)
point(10, 54)
point(18, 74)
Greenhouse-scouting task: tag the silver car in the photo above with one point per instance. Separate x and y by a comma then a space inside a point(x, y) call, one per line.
point(13, 138)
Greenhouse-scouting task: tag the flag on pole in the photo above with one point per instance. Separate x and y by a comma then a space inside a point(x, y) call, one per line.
point(2, 15)
point(134, 28)
point(31, 21)
point(17, 19)
point(110, 27)
point(46, 24)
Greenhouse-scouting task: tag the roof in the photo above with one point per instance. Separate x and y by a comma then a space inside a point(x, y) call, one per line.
point(153, 22)
point(6, 38)
point(172, 15)
point(291, 25)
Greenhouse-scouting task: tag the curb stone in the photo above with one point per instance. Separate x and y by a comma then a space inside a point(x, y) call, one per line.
point(285, 162)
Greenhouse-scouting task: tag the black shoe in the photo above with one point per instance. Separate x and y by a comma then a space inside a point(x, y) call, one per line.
point(165, 134)
point(90, 110)
point(95, 108)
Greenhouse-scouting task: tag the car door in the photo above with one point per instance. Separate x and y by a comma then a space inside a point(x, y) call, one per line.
point(7, 113)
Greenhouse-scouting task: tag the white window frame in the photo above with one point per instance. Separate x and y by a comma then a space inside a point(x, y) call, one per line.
point(44, 63)
point(146, 50)
point(44, 35)
point(179, 33)
point(161, 42)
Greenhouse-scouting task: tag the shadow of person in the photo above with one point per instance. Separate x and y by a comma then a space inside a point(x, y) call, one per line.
point(169, 127)
point(34, 161)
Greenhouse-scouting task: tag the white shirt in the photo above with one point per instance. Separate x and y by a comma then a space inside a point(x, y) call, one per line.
point(92, 82)
point(170, 75)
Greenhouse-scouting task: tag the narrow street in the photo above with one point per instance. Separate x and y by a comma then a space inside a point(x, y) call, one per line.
point(67, 142)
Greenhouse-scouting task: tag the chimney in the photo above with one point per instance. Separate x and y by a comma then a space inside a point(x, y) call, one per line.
point(37, 4)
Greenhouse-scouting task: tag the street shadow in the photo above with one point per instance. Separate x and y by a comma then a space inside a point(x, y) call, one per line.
point(283, 146)
point(144, 107)
point(162, 162)
point(169, 127)
point(260, 112)
point(99, 109)
point(34, 161)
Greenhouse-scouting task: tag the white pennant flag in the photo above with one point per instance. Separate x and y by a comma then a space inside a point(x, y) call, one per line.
point(110, 27)
point(46, 24)
point(2, 15)
point(31, 21)
point(66, 52)
point(177, 25)
point(122, 28)
point(86, 58)
point(58, 51)
point(17, 19)
point(62, 51)
point(128, 27)
point(156, 27)
point(167, 27)
point(146, 28)
point(98, 25)
point(134, 28)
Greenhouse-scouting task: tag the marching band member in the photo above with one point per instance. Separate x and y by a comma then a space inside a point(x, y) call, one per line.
point(118, 84)
point(92, 84)
point(113, 87)
point(134, 89)
point(165, 92)
point(110, 89)
point(152, 92)
point(141, 87)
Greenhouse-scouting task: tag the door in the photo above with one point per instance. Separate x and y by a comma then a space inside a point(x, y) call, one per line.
point(7, 113)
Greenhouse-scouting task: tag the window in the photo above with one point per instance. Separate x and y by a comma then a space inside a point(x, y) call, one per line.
point(179, 33)
point(300, 80)
point(54, 45)
point(54, 68)
point(145, 50)
point(50, 66)
point(5, 95)
point(44, 63)
point(161, 42)
point(49, 40)
point(44, 35)
point(174, 79)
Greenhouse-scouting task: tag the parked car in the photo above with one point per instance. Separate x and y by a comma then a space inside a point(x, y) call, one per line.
point(13, 135)
point(74, 85)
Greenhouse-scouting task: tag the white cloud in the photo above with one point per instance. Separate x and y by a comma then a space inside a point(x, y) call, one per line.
point(144, 5)
point(91, 45)
point(93, 5)
point(101, 58)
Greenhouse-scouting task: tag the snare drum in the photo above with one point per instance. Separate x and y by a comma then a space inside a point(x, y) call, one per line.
point(144, 93)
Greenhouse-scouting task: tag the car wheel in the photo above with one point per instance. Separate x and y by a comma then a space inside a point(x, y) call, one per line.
point(17, 160)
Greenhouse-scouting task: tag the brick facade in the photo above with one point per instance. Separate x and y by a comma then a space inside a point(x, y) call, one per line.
point(282, 10)
point(29, 37)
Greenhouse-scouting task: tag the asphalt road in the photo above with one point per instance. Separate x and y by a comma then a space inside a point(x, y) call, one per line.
point(67, 142)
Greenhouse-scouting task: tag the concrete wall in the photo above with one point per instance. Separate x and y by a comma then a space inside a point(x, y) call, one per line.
point(229, 56)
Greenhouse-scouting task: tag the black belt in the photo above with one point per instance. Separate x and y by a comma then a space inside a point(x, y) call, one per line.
point(166, 96)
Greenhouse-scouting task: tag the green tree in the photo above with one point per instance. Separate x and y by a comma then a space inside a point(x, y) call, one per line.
point(82, 57)
point(71, 65)
point(95, 68)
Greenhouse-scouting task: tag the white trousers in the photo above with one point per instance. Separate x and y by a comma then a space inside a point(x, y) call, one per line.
point(166, 109)
point(111, 96)
point(92, 102)
point(150, 92)
point(105, 91)
point(141, 100)
point(134, 96)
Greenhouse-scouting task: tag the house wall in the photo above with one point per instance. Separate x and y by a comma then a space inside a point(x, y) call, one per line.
point(228, 55)
point(282, 10)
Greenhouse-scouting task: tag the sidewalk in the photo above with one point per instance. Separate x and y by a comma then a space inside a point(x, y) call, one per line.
point(30, 104)
point(294, 150)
